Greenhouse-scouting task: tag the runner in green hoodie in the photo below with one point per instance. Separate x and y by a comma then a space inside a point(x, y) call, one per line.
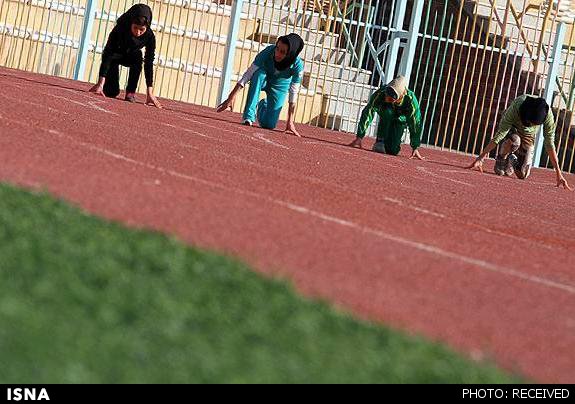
point(398, 109)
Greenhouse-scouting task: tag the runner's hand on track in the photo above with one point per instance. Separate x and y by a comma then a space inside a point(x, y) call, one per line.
point(227, 104)
point(562, 182)
point(477, 164)
point(291, 130)
point(151, 100)
point(98, 90)
point(356, 143)
point(416, 155)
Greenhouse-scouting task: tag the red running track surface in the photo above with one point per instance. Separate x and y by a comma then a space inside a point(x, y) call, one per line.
point(485, 264)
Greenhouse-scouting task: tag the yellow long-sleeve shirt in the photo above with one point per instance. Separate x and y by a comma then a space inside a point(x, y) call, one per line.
point(512, 120)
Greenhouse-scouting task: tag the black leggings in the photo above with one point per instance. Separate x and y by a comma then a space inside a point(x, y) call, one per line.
point(132, 61)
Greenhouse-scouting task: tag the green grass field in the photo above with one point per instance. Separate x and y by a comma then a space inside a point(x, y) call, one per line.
point(83, 300)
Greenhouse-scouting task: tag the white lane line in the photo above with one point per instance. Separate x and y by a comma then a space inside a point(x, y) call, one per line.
point(542, 221)
point(256, 136)
point(437, 251)
point(248, 131)
point(35, 104)
point(194, 132)
point(262, 136)
point(485, 265)
point(91, 104)
point(388, 199)
point(415, 208)
point(461, 171)
point(426, 171)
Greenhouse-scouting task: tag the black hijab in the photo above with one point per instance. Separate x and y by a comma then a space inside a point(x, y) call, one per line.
point(295, 46)
point(533, 110)
point(136, 13)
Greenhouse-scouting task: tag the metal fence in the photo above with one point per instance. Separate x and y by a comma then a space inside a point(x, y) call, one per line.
point(40, 36)
point(466, 60)
point(564, 104)
point(337, 80)
point(472, 63)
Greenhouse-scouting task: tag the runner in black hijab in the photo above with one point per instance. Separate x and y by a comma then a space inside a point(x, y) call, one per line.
point(132, 33)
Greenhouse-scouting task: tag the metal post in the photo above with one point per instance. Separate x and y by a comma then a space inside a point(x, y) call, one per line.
point(413, 34)
point(409, 50)
point(395, 42)
point(89, 17)
point(232, 40)
point(550, 85)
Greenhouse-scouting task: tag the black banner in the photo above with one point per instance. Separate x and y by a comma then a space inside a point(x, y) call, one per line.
point(386, 393)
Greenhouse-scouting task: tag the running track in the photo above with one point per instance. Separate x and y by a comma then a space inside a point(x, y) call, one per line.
point(482, 263)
